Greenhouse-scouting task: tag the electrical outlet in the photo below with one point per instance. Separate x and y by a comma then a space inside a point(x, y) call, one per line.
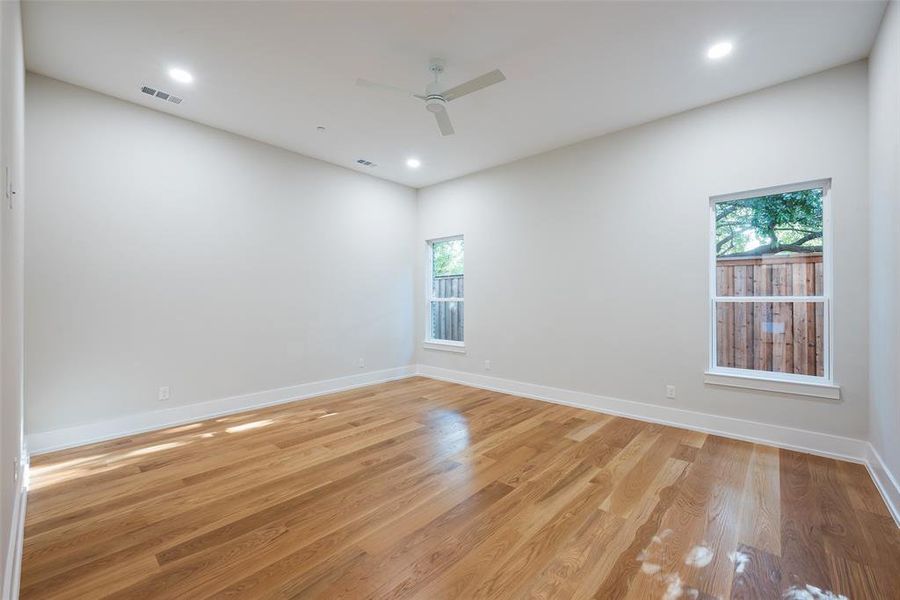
point(487, 365)
point(361, 363)
point(164, 393)
point(670, 392)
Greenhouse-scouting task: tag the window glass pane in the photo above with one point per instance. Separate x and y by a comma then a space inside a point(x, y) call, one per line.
point(447, 269)
point(447, 257)
point(447, 321)
point(770, 245)
point(780, 337)
point(448, 286)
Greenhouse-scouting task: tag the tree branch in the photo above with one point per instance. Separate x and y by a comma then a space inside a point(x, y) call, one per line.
point(807, 238)
point(730, 237)
point(809, 231)
point(769, 249)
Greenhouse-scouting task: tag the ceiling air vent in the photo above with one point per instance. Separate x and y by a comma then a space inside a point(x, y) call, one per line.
point(366, 163)
point(160, 94)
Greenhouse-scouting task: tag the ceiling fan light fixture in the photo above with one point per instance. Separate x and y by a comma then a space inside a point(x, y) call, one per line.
point(435, 104)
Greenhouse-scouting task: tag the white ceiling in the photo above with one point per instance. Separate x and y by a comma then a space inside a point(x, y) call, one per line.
point(274, 71)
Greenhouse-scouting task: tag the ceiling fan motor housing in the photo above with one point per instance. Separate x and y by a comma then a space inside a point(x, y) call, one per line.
point(435, 103)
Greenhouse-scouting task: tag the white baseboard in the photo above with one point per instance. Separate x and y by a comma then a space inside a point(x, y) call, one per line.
point(801, 440)
point(885, 481)
point(13, 567)
point(59, 439)
point(812, 442)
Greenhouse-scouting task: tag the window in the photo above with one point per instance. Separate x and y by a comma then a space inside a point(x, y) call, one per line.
point(445, 276)
point(771, 285)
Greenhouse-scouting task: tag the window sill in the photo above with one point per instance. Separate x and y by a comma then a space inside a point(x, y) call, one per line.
point(829, 391)
point(445, 346)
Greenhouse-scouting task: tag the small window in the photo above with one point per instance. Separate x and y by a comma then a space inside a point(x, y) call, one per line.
point(770, 284)
point(446, 291)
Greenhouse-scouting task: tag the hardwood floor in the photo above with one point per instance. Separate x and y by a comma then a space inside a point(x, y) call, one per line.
point(424, 489)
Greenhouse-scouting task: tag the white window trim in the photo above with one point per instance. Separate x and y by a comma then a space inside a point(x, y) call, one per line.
point(744, 378)
point(431, 343)
point(787, 383)
point(444, 346)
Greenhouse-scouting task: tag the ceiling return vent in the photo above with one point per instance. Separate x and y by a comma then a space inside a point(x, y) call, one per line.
point(161, 94)
point(366, 163)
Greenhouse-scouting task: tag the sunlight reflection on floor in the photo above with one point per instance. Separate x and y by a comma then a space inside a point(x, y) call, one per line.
point(247, 426)
point(152, 449)
point(238, 417)
point(183, 428)
point(45, 470)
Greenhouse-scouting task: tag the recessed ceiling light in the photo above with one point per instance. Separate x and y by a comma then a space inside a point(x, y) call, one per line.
point(719, 50)
point(413, 163)
point(180, 75)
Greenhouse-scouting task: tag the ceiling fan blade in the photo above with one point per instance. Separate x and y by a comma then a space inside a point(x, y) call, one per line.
point(383, 87)
point(473, 85)
point(443, 122)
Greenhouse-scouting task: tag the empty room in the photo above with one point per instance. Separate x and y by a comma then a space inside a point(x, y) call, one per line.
point(450, 300)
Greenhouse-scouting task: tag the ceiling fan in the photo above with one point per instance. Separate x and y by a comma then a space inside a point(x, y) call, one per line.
point(435, 99)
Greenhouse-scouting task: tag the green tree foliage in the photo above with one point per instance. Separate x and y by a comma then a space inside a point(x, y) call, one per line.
point(790, 222)
point(447, 258)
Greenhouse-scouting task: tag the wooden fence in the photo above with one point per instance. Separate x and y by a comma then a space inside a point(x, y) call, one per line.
point(448, 318)
point(784, 337)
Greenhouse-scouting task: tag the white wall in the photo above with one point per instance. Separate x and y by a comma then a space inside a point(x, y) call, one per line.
point(586, 267)
point(884, 169)
point(12, 84)
point(163, 252)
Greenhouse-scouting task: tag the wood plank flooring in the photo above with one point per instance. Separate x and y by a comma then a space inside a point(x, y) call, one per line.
point(424, 489)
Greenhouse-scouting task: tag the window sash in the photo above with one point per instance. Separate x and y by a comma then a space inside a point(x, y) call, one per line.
point(716, 368)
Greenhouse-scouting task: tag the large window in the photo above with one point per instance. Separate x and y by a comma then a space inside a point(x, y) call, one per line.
point(770, 284)
point(446, 291)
